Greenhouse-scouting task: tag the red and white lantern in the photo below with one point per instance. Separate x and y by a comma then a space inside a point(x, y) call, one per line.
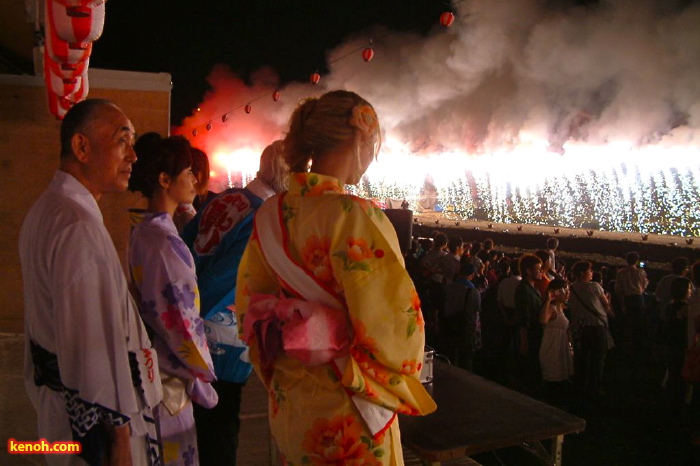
point(315, 78)
point(367, 54)
point(77, 21)
point(58, 106)
point(82, 93)
point(447, 18)
point(276, 96)
point(248, 108)
point(60, 51)
point(62, 87)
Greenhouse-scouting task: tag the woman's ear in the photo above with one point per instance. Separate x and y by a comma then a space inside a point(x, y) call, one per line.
point(164, 180)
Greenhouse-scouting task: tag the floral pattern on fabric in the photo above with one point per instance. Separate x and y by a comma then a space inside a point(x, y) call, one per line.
point(311, 184)
point(316, 257)
point(163, 275)
point(345, 244)
point(340, 441)
point(416, 322)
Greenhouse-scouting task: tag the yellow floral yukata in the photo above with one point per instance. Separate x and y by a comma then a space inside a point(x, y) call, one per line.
point(349, 246)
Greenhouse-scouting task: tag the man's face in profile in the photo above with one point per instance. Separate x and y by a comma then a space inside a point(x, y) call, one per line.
point(111, 153)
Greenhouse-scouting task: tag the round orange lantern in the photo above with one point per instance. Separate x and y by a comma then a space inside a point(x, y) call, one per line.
point(447, 18)
point(367, 54)
point(315, 78)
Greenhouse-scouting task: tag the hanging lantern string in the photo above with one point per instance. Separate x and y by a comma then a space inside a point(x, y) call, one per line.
point(371, 42)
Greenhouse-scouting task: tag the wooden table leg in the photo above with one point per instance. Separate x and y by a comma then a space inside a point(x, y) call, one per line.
point(555, 450)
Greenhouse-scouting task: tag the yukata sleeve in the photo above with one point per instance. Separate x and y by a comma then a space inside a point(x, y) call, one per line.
point(167, 284)
point(386, 353)
point(90, 325)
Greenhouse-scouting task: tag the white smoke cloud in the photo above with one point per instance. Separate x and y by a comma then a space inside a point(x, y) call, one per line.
point(506, 73)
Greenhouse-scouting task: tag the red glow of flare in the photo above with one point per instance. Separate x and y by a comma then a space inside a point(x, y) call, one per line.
point(447, 18)
point(276, 96)
point(367, 54)
point(315, 78)
point(248, 108)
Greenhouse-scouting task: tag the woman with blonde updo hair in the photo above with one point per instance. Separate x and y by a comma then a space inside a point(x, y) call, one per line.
point(344, 354)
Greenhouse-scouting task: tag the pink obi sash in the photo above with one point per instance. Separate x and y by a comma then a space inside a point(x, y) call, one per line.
point(305, 330)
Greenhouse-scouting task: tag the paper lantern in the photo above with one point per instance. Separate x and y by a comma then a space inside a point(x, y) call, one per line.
point(82, 93)
point(315, 78)
point(447, 18)
point(224, 118)
point(62, 87)
point(62, 52)
point(248, 108)
point(66, 71)
point(78, 21)
point(194, 132)
point(58, 106)
point(208, 126)
point(367, 54)
point(276, 96)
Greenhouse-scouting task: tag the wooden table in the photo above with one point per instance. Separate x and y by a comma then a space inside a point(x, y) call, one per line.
point(475, 415)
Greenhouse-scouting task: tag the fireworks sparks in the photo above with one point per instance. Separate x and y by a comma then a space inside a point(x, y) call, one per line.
point(615, 187)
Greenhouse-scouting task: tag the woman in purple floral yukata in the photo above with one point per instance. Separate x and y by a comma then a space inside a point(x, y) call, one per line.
point(165, 286)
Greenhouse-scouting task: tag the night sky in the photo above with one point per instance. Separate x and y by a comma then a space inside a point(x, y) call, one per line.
point(186, 39)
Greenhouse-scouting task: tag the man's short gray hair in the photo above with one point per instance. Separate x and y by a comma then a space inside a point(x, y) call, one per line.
point(274, 170)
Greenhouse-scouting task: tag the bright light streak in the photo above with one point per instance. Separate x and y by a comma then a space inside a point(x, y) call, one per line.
point(242, 162)
point(616, 187)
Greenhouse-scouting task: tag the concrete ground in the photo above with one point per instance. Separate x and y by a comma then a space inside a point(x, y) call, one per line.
point(18, 418)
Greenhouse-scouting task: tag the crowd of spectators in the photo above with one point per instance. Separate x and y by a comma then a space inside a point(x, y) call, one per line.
point(545, 326)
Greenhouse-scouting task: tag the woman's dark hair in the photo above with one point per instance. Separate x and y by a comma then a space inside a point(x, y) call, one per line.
point(543, 255)
point(580, 268)
point(557, 284)
point(695, 272)
point(158, 155)
point(528, 262)
point(679, 289)
point(440, 241)
point(200, 168)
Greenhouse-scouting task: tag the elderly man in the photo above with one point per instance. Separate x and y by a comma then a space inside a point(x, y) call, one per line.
point(89, 369)
point(217, 237)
